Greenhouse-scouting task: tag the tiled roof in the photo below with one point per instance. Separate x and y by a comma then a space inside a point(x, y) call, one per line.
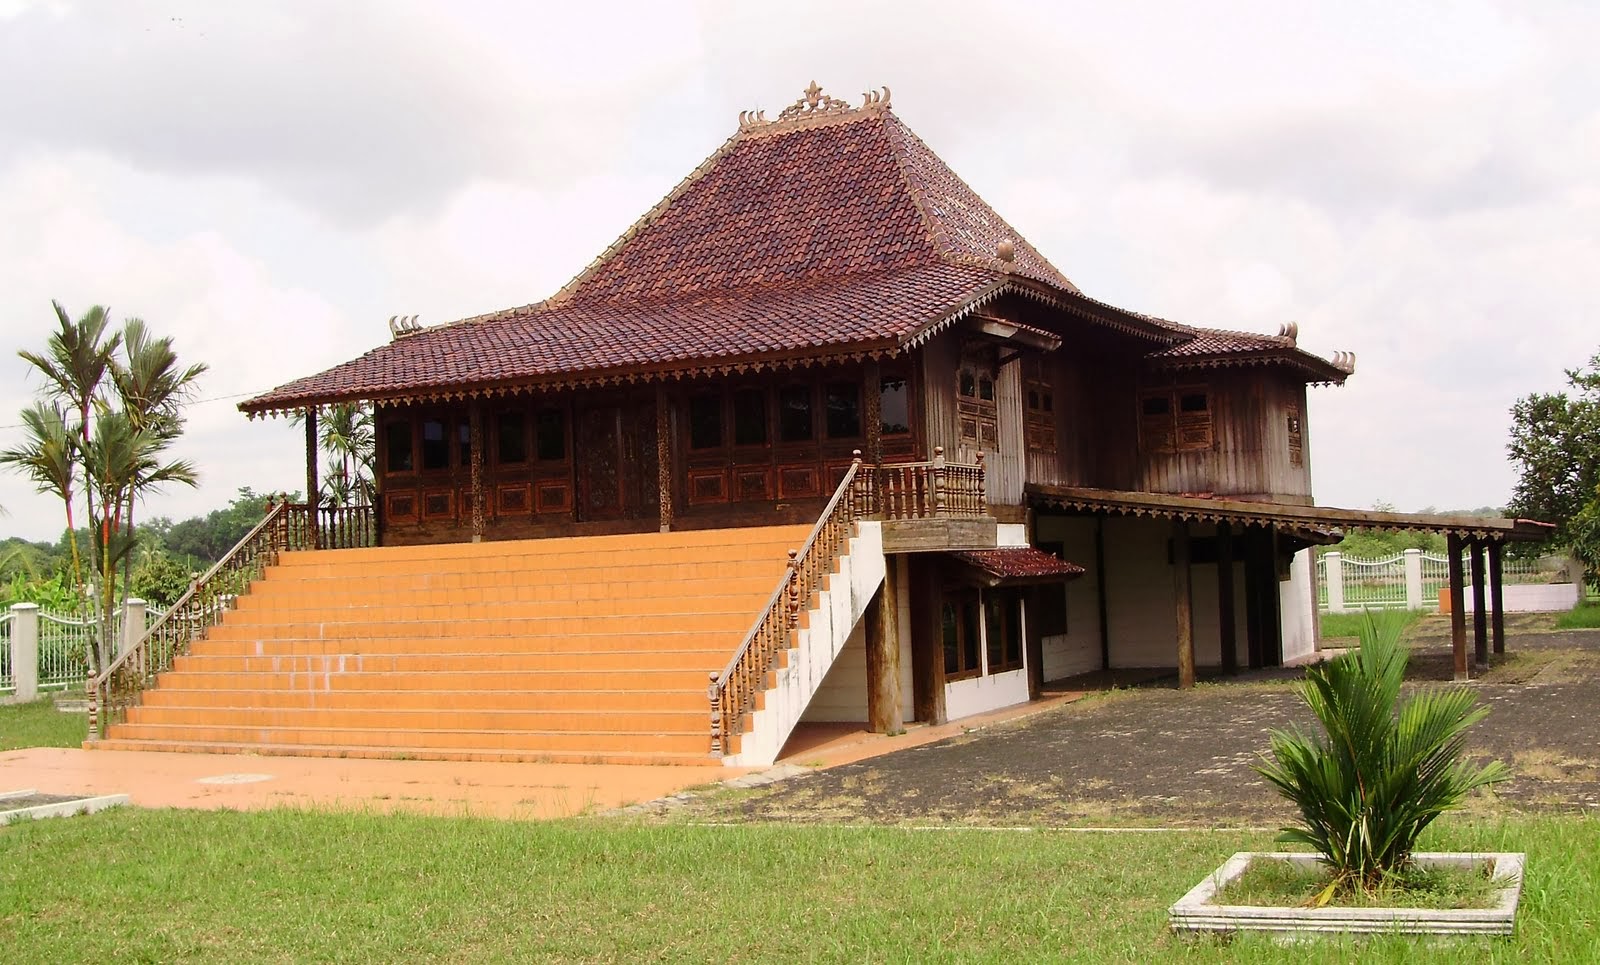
point(821, 234)
point(1211, 347)
point(871, 311)
point(1019, 563)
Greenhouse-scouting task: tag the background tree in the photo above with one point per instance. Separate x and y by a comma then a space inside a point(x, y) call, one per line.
point(1555, 444)
point(46, 457)
point(346, 436)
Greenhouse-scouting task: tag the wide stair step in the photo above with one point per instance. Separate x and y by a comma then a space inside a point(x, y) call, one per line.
point(583, 649)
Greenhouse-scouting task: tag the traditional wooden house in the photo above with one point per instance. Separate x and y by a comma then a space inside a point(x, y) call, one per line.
point(820, 437)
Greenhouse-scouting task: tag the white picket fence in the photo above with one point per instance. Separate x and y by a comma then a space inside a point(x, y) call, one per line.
point(1410, 580)
point(42, 651)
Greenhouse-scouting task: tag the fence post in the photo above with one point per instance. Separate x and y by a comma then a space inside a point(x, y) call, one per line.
point(25, 650)
point(132, 624)
point(1334, 563)
point(1413, 579)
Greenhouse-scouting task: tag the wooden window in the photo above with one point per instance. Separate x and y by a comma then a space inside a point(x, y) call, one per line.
point(976, 412)
point(1176, 419)
point(894, 406)
point(750, 417)
point(843, 405)
point(1002, 618)
point(1039, 400)
point(397, 446)
point(961, 628)
point(794, 414)
point(1297, 438)
point(550, 435)
point(510, 438)
point(435, 445)
point(705, 421)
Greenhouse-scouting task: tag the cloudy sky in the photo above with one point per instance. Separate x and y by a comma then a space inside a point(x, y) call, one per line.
point(1418, 183)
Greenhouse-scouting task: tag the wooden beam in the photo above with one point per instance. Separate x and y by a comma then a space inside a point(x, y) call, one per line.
point(1458, 609)
point(1100, 590)
point(1480, 608)
point(1497, 597)
point(1227, 626)
point(664, 456)
point(312, 493)
point(883, 656)
point(1183, 603)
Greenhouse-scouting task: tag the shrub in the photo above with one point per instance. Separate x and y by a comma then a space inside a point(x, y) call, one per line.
point(1381, 771)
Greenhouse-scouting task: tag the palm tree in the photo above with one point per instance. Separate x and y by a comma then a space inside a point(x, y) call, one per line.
point(74, 363)
point(153, 387)
point(346, 435)
point(46, 457)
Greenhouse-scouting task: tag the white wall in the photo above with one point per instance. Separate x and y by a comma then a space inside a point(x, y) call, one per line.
point(1078, 650)
point(1296, 609)
point(843, 693)
point(1531, 597)
point(977, 695)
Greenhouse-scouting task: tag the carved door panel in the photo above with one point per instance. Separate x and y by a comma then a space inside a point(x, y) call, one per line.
point(601, 484)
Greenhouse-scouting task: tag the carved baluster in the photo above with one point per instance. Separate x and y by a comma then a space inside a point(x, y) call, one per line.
point(794, 589)
point(938, 480)
point(980, 498)
point(716, 716)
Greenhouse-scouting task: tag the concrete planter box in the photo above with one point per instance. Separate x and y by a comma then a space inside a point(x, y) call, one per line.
point(1198, 911)
point(12, 807)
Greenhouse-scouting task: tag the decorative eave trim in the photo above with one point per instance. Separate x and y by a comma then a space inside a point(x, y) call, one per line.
point(1325, 373)
point(596, 378)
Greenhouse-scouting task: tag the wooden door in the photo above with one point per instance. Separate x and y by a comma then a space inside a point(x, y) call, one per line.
point(600, 460)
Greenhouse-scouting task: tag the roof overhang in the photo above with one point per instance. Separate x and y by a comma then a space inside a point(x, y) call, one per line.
point(1015, 566)
point(1309, 520)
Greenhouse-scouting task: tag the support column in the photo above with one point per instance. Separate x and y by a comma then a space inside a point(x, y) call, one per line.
point(1480, 608)
point(1497, 597)
point(1183, 604)
point(1100, 590)
point(313, 494)
point(1458, 609)
point(1226, 623)
point(25, 650)
point(664, 456)
point(1413, 565)
point(475, 442)
point(1334, 568)
point(883, 655)
point(132, 624)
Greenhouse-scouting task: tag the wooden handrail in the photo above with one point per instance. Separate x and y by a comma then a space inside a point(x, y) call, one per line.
point(286, 526)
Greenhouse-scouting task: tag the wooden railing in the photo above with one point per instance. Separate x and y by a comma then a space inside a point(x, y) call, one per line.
point(285, 527)
point(928, 490)
point(917, 490)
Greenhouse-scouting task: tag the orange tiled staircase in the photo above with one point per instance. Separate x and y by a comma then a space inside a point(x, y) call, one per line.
point(580, 649)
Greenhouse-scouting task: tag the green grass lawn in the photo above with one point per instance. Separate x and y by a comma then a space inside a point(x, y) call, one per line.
point(1583, 617)
point(1335, 625)
point(134, 885)
point(39, 724)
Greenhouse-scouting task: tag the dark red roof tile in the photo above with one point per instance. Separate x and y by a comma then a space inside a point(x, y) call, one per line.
point(1018, 563)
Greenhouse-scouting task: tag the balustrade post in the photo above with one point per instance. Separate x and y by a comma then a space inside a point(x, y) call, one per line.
point(794, 590)
point(938, 480)
point(25, 650)
point(981, 497)
point(716, 715)
point(1413, 564)
point(1334, 563)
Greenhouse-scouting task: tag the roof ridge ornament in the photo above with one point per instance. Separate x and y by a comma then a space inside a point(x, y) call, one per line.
point(1290, 331)
point(402, 325)
point(814, 106)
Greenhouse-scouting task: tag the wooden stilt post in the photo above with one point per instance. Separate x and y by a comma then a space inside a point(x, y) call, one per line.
point(1183, 603)
point(1100, 590)
point(1226, 622)
point(664, 456)
point(1458, 609)
point(1480, 608)
point(313, 495)
point(883, 656)
point(1497, 597)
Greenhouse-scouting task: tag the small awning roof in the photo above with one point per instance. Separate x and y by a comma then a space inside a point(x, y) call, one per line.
point(1287, 515)
point(1017, 564)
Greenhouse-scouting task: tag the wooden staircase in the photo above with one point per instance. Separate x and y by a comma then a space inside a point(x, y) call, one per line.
point(580, 649)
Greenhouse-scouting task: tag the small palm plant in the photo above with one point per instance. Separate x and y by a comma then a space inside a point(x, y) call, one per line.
point(1383, 770)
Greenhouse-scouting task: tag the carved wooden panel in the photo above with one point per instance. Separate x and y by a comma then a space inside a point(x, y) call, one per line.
point(708, 486)
point(438, 504)
point(752, 484)
point(835, 474)
point(512, 499)
point(400, 507)
point(796, 482)
point(554, 497)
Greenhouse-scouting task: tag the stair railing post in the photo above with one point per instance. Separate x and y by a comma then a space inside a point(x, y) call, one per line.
point(794, 590)
point(716, 716)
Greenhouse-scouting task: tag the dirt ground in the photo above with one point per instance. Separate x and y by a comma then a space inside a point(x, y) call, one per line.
point(1155, 756)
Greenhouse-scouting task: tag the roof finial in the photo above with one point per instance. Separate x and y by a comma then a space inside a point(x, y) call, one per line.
point(1006, 250)
point(1290, 331)
point(814, 107)
point(813, 101)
